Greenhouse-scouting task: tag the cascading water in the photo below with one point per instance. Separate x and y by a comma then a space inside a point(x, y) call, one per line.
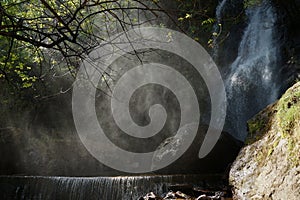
point(251, 83)
point(100, 188)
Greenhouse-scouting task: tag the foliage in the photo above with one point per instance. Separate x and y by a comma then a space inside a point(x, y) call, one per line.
point(196, 17)
point(17, 65)
point(251, 3)
point(37, 36)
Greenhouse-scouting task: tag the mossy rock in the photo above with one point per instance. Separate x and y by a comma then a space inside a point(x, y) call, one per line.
point(268, 166)
point(260, 124)
point(285, 115)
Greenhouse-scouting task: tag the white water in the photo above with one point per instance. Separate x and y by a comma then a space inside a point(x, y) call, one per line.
point(251, 83)
point(96, 188)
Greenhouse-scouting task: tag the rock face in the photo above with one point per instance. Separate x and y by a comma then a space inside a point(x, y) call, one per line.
point(268, 166)
point(288, 31)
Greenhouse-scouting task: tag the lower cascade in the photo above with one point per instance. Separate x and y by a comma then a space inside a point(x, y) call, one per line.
point(104, 188)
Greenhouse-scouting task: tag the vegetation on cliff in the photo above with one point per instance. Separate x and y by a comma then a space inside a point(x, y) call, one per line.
point(285, 116)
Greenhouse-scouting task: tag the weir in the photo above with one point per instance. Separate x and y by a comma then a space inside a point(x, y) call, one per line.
point(104, 188)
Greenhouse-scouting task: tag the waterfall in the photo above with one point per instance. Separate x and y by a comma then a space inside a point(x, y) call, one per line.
point(251, 83)
point(100, 188)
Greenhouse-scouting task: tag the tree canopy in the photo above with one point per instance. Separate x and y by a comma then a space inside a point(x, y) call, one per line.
point(39, 33)
point(39, 36)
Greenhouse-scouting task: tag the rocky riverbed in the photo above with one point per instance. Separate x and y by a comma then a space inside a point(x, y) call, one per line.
point(190, 192)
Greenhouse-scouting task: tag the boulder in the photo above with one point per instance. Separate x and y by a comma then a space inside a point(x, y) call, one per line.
point(268, 167)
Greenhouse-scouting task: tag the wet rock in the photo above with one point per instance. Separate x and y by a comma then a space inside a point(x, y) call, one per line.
point(206, 195)
point(217, 195)
point(150, 196)
point(203, 197)
point(217, 161)
point(176, 195)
